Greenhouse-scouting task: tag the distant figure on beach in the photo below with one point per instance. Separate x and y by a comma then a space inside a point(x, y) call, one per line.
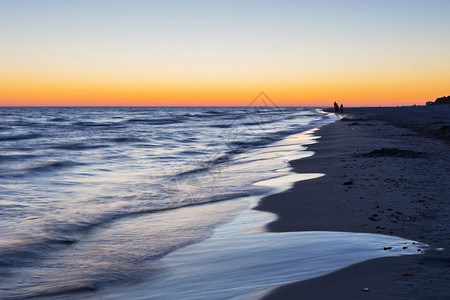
point(342, 109)
point(336, 108)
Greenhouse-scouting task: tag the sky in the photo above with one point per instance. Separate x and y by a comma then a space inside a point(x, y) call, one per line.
point(305, 53)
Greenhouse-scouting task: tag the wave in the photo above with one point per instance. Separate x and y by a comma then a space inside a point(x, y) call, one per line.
point(52, 291)
point(98, 124)
point(38, 169)
point(232, 117)
point(215, 112)
point(29, 251)
point(22, 123)
point(20, 137)
point(221, 125)
point(58, 120)
point(62, 237)
point(237, 147)
point(52, 166)
point(161, 121)
point(126, 140)
point(207, 114)
point(259, 122)
point(191, 152)
point(233, 148)
point(15, 157)
point(78, 146)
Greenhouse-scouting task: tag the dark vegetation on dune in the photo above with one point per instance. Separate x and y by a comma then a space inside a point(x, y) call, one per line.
point(440, 101)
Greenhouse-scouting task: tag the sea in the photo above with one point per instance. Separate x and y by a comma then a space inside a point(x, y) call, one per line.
point(94, 199)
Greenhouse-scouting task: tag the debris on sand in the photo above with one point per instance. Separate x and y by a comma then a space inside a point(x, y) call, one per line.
point(348, 119)
point(394, 152)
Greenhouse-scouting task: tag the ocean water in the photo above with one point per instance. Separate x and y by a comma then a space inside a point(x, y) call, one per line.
point(94, 197)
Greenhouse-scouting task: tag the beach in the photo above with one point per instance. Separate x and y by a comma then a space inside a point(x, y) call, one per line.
point(350, 203)
point(386, 173)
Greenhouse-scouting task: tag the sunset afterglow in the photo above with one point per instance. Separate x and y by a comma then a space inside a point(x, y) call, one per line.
point(223, 52)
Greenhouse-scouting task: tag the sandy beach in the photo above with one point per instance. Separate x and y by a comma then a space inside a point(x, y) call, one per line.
point(386, 172)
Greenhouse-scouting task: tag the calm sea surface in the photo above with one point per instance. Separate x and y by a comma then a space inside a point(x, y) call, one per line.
point(91, 197)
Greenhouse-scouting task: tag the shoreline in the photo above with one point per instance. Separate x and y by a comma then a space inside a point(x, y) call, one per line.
point(402, 191)
point(228, 258)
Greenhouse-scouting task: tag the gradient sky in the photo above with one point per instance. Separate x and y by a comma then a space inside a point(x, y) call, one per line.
point(136, 52)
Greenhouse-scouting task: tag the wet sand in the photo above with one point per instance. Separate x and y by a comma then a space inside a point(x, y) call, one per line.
point(386, 172)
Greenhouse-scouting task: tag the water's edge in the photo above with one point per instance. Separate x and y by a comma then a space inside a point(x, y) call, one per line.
point(241, 260)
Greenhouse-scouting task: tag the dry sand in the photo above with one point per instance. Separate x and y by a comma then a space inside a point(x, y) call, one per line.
point(402, 190)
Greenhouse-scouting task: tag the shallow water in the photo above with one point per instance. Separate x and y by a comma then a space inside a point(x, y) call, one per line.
point(242, 261)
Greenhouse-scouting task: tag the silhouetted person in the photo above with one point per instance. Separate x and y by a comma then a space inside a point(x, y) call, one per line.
point(336, 108)
point(342, 109)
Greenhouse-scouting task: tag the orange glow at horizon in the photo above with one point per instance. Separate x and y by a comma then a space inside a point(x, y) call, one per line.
point(61, 83)
point(369, 91)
